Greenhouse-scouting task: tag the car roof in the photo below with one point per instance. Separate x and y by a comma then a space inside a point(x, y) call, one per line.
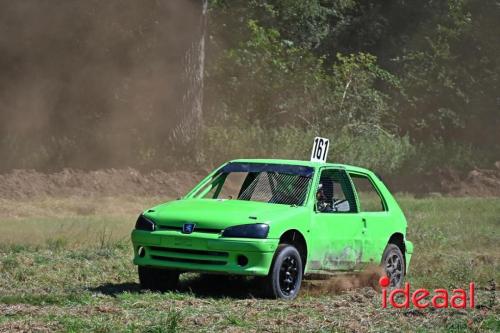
point(315, 165)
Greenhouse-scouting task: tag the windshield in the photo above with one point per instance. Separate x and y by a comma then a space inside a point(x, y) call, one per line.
point(271, 183)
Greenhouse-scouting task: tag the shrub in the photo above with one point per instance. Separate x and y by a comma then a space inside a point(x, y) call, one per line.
point(372, 149)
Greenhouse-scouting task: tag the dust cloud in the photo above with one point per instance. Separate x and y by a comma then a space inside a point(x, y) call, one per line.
point(341, 283)
point(91, 84)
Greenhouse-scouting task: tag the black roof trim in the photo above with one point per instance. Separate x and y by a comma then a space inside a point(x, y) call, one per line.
point(299, 170)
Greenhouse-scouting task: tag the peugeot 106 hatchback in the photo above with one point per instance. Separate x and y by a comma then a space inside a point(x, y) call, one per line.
point(278, 219)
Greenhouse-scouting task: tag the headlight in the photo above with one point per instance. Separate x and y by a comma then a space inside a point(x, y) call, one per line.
point(145, 224)
point(257, 230)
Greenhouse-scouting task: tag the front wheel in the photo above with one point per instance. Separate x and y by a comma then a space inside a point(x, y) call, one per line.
point(285, 277)
point(156, 279)
point(393, 263)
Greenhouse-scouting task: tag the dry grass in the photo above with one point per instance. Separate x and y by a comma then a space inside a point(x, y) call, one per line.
point(74, 221)
point(76, 206)
point(60, 270)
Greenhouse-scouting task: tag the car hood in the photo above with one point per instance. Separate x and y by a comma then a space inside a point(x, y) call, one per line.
point(218, 214)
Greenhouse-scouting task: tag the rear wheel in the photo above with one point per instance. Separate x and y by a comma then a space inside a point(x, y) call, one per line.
point(285, 278)
point(393, 263)
point(156, 279)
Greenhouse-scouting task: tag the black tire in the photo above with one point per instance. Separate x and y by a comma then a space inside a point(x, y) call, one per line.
point(285, 276)
point(156, 279)
point(393, 263)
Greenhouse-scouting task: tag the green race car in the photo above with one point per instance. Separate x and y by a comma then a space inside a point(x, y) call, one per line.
point(278, 219)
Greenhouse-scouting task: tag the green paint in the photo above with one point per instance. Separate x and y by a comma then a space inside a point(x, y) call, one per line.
point(335, 241)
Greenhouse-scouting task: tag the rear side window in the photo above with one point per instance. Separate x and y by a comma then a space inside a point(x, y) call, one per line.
point(369, 198)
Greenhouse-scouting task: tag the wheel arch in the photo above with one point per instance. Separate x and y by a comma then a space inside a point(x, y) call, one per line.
point(398, 239)
point(296, 238)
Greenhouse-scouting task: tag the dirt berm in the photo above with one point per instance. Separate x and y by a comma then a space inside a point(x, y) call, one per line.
point(19, 184)
point(476, 183)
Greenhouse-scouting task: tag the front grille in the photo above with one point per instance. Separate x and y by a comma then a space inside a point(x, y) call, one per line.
point(196, 229)
point(189, 256)
point(189, 251)
point(190, 261)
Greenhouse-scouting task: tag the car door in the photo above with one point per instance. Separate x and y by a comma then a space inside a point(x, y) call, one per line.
point(375, 216)
point(337, 226)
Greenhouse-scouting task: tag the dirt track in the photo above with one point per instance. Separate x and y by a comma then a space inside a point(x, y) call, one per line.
point(21, 184)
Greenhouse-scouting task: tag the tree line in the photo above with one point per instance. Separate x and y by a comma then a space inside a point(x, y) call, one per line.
point(400, 86)
point(397, 85)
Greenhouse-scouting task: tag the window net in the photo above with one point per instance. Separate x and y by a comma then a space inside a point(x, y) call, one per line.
point(266, 186)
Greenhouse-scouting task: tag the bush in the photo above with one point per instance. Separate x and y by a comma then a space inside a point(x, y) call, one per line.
point(376, 150)
point(456, 156)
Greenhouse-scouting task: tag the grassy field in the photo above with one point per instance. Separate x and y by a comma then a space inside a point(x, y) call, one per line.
point(65, 265)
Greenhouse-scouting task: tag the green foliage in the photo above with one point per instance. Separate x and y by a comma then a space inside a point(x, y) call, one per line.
point(424, 71)
point(459, 157)
point(275, 96)
point(380, 150)
point(449, 73)
point(409, 73)
point(269, 80)
point(301, 23)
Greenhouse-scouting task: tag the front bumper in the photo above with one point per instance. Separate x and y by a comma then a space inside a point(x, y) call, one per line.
point(203, 252)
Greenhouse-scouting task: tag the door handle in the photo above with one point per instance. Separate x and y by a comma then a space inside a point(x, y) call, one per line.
point(364, 222)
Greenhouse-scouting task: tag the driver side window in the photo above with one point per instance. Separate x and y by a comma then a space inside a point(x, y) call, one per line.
point(334, 193)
